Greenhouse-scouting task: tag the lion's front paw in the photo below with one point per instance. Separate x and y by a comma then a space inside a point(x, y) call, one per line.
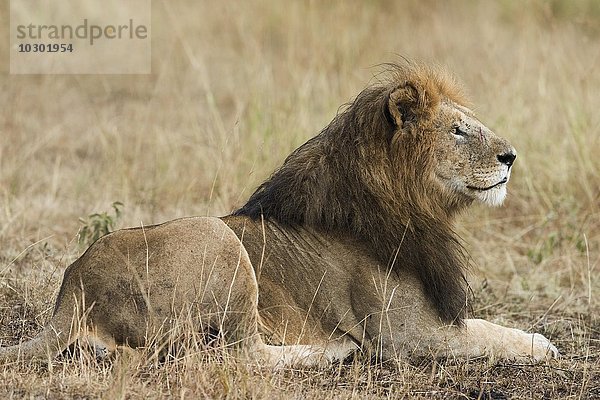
point(542, 348)
point(533, 347)
point(487, 339)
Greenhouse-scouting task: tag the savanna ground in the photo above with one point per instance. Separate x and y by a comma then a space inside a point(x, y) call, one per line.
point(235, 87)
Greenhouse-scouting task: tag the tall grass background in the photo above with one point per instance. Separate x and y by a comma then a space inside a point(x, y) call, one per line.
point(235, 87)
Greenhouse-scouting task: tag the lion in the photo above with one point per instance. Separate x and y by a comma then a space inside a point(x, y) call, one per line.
point(347, 248)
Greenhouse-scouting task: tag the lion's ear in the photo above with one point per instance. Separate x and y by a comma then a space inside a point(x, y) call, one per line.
point(407, 102)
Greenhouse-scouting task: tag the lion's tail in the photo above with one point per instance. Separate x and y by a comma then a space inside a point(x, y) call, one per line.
point(46, 345)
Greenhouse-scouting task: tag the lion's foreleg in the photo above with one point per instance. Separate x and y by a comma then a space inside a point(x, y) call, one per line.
point(403, 323)
point(480, 338)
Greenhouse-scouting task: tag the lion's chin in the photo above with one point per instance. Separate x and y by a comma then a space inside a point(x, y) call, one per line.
point(493, 197)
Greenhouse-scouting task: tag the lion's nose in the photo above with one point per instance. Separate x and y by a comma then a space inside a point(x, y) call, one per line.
point(507, 158)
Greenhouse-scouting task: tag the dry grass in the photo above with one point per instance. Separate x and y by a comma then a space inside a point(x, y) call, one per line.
point(235, 87)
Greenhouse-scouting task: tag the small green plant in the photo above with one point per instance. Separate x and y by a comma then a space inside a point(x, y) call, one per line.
point(99, 224)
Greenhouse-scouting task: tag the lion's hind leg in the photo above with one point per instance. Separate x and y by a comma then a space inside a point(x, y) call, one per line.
point(101, 346)
point(64, 329)
point(42, 348)
point(301, 356)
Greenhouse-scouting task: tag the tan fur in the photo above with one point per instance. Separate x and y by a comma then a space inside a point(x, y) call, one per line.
point(348, 246)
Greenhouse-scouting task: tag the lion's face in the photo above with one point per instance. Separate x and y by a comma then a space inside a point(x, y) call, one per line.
point(469, 161)
point(470, 158)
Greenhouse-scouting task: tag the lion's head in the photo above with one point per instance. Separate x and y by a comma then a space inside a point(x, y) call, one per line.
point(391, 171)
point(467, 159)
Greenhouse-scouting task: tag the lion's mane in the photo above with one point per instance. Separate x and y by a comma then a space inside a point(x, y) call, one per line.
point(367, 178)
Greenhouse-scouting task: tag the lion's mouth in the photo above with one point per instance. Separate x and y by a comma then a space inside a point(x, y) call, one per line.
point(502, 182)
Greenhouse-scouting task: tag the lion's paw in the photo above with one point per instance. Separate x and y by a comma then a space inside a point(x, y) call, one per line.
point(543, 349)
point(498, 342)
point(533, 347)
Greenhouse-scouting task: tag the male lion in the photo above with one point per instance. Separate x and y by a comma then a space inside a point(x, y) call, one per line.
point(348, 246)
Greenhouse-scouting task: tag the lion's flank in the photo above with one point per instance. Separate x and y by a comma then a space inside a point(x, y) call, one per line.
point(365, 177)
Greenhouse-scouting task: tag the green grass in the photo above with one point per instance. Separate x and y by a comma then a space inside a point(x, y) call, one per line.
point(234, 89)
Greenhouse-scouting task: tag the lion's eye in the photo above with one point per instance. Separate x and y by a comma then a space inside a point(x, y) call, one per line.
point(458, 132)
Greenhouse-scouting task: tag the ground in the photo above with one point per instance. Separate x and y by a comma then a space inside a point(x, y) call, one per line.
point(235, 86)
